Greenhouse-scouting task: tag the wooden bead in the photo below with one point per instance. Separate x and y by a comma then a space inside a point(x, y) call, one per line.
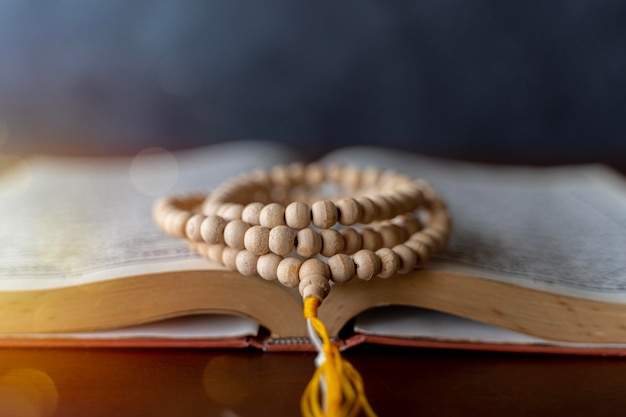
point(308, 243)
point(212, 229)
point(314, 174)
point(389, 260)
point(384, 207)
point(408, 258)
point(408, 223)
point(281, 240)
point(176, 223)
point(313, 266)
point(256, 240)
point(234, 233)
point(372, 240)
point(370, 176)
point(367, 264)
point(288, 271)
point(250, 213)
point(342, 268)
point(369, 211)
point(348, 211)
point(297, 173)
point(332, 242)
point(314, 286)
point(267, 266)
point(214, 252)
point(439, 238)
point(420, 250)
point(246, 263)
point(392, 235)
point(353, 241)
point(425, 239)
point(351, 177)
point(230, 211)
point(280, 176)
point(272, 215)
point(192, 228)
point(323, 214)
point(297, 215)
point(229, 258)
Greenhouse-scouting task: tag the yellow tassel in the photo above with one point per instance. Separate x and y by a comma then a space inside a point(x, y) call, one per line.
point(336, 389)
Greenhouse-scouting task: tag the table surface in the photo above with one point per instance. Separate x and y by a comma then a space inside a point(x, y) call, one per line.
point(228, 383)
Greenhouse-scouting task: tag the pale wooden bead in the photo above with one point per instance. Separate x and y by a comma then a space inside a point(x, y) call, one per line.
point(439, 238)
point(420, 250)
point(308, 243)
point(314, 266)
point(212, 229)
point(281, 240)
point(389, 261)
point(333, 172)
point(200, 247)
point(332, 242)
point(314, 174)
point(280, 176)
point(234, 233)
point(230, 211)
point(267, 266)
point(192, 228)
point(370, 176)
point(287, 272)
point(272, 215)
point(351, 177)
point(316, 286)
point(250, 213)
point(408, 258)
point(408, 223)
point(297, 215)
point(176, 223)
point(297, 172)
point(256, 240)
point(229, 258)
point(348, 211)
point(323, 214)
point(367, 264)
point(384, 207)
point(214, 252)
point(424, 239)
point(371, 239)
point(353, 241)
point(342, 268)
point(392, 235)
point(369, 210)
point(246, 263)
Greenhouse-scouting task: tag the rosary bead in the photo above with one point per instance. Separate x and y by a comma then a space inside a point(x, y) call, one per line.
point(372, 240)
point(234, 233)
point(309, 243)
point(313, 266)
point(408, 258)
point(212, 229)
point(314, 174)
point(214, 252)
point(353, 241)
point(176, 222)
point(281, 240)
point(230, 211)
point(341, 267)
point(272, 215)
point(288, 271)
point(246, 263)
point(314, 286)
point(384, 207)
point(324, 214)
point(351, 177)
point(192, 228)
point(267, 266)
point(348, 211)
point(297, 215)
point(256, 240)
point(392, 235)
point(420, 250)
point(369, 210)
point(424, 239)
point(250, 213)
point(389, 261)
point(367, 264)
point(229, 258)
point(332, 242)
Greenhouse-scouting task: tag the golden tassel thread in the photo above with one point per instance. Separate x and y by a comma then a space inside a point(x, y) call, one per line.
point(335, 383)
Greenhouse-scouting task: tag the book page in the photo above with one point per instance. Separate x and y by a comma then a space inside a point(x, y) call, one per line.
point(68, 221)
point(553, 229)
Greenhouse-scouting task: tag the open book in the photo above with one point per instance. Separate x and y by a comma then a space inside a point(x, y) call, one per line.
point(536, 261)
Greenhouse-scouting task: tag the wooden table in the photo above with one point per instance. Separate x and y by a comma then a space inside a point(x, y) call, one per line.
point(228, 383)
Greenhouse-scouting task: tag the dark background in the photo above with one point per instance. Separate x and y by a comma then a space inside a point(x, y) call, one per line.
point(531, 82)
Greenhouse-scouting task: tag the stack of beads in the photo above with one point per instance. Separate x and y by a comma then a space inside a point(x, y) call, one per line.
point(312, 225)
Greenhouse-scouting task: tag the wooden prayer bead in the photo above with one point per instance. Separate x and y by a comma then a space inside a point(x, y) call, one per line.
point(176, 222)
point(230, 211)
point(389, 261)
point(342, 268)
point(308, 243)
point(420, 250)
point(314, 174)
point(234, 233)
point(408, 258)
point(192, 228)
point(272, 215)
point(332, 242)
point(267, 266)
point(256, 240)
point(369, 211)
point(424, 239)
point(288, 271)
point(250, 213)
point(370, 176)
point(348, 211)
point(229, 258)
point(314, 266)
point(439, 238)
point(391, 235)
point(281, 240)
point(351, 177)
point(212, 229)
point(246, 263)
point(384, 208)
point(323, 214)
point(367, 264)
point(333, 172)
point(297, 215)
point(353, 241)
point(372, 240)
point(314, 286)
point(214, 252)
